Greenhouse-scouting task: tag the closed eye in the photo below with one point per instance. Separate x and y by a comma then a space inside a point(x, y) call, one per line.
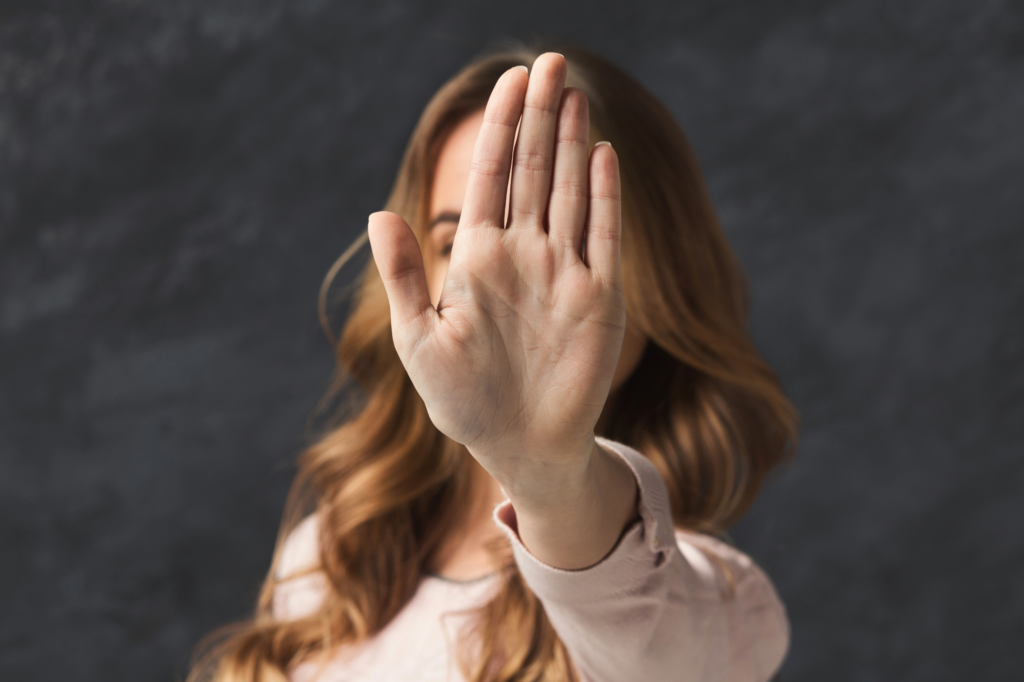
point(447, 223)
point(445, 217)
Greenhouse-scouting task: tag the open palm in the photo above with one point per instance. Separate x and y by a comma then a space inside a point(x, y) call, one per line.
point(517, 359)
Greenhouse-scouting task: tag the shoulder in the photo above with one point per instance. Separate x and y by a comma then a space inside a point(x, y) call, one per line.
point(301, 587)
point(730, 576)
point(301, 551)
point(719, 563)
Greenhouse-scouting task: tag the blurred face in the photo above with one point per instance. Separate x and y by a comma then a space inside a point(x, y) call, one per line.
point(447, 195)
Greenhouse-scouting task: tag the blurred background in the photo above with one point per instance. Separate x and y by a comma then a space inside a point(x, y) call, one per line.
point(177, 177)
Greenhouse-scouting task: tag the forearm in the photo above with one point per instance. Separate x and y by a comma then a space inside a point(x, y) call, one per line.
point(572, 518)
point(664, 604)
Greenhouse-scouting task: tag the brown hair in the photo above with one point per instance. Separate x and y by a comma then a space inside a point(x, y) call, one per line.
point(702, 404)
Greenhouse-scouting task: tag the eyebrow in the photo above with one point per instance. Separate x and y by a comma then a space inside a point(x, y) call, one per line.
point(446, 217)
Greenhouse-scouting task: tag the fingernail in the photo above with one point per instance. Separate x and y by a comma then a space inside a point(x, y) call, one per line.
point(603, 142)
point(523, 68)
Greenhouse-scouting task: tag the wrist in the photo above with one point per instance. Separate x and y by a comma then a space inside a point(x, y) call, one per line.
point(579, 521)
point(543, 479)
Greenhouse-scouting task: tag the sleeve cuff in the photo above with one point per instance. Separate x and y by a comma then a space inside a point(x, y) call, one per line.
point(643, 550)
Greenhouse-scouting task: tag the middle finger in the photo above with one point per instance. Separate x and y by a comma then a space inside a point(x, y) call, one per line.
point(534, 155)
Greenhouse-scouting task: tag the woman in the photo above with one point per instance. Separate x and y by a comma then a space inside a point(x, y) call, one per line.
point(537, 339)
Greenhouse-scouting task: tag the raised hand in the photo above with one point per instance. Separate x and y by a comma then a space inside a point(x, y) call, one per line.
point(517, 359)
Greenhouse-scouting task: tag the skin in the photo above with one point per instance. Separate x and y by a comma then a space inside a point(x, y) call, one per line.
point(448, 194)
point(514, 349)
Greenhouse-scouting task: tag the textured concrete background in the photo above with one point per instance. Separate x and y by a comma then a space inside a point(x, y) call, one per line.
point(176, 177)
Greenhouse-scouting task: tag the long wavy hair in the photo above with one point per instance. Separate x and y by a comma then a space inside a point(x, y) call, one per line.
point(387, 486)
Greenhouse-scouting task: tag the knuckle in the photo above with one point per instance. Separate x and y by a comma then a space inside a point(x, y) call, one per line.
point(487, 168)
point(608, 194)
point(573, 138)
point(606, 233)
point(533, 161)
point(542, 107)
point(571, 189)
point(498, 121)
point(525, 215)
point(563, 240)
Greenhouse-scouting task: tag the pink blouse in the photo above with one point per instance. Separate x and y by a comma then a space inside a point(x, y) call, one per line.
point(666, 604)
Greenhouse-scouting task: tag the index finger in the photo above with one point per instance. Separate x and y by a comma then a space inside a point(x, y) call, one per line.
point(484, 205)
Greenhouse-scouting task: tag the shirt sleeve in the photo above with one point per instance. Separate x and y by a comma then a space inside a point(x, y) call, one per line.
point(664, 605)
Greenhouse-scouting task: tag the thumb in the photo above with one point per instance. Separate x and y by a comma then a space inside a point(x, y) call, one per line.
point(397, 255)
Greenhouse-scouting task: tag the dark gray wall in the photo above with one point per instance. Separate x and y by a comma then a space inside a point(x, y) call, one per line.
point(176, 177)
